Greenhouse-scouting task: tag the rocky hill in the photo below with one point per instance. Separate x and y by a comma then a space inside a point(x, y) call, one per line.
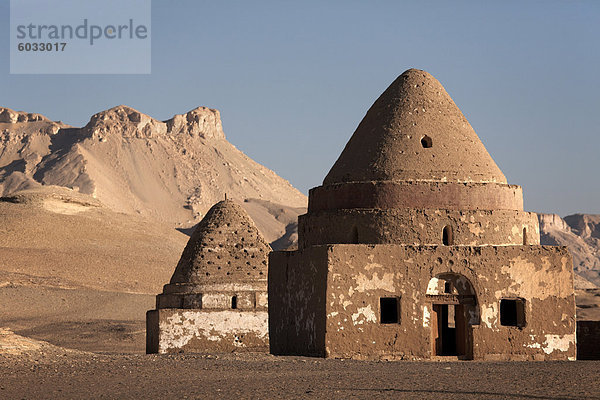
point(170, 171)
point(581, 234)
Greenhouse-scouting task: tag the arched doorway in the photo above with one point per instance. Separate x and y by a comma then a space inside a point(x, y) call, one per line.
point(454, 312)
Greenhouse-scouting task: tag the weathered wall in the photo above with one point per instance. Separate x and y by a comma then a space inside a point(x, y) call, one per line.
point(358, 275)
point(416, 194)
point(540, 275)
point(174, 331)
point(297, 283)
point(201, 318)
point(588, 340)
point(249, 295)
point(417, 226)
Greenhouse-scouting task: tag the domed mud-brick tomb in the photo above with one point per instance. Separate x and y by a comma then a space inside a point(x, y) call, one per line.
point(415, 247)
point(217, 297)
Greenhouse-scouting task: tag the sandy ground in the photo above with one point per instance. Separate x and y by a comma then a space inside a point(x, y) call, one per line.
point(80, 375)
point(81, 319)
point(54, 238)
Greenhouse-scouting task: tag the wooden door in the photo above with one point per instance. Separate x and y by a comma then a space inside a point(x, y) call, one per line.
point(436, 326)
point(461, 330)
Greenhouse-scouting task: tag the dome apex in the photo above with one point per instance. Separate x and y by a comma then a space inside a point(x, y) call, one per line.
point(414, 132)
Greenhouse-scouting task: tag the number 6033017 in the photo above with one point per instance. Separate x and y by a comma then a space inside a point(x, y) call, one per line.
point(41, 46)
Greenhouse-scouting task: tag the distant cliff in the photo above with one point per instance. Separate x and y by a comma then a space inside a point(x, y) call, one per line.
point(581, 234)
point(170, 171)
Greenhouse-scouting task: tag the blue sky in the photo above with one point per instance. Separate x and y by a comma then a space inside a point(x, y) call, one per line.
point(293, 79)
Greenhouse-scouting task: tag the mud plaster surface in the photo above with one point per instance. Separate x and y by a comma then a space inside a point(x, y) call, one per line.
point(355, 282)
point(196, 330)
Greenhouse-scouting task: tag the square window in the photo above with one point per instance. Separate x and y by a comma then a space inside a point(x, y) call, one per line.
point(390, 310)
point(512, 312)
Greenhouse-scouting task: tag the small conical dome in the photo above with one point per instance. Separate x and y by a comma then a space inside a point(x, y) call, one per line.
point(414, 131)
point(225, 247)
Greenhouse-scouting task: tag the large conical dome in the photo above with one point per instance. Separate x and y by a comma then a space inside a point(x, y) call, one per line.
point(414, 132)
point(225, 247)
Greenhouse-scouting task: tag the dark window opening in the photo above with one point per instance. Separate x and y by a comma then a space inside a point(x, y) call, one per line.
point(447, 236)
point(512, 312)
point(426, 142)
point(447, 287)
point(390, 310)
point(524, 236)
point(354, 239)
point(234, 302)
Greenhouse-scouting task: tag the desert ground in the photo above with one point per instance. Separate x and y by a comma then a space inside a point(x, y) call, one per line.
point(56, 375)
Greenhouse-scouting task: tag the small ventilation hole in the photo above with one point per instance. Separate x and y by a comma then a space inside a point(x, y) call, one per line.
point(426, 142)
point(234, 302)
point(447, 287)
